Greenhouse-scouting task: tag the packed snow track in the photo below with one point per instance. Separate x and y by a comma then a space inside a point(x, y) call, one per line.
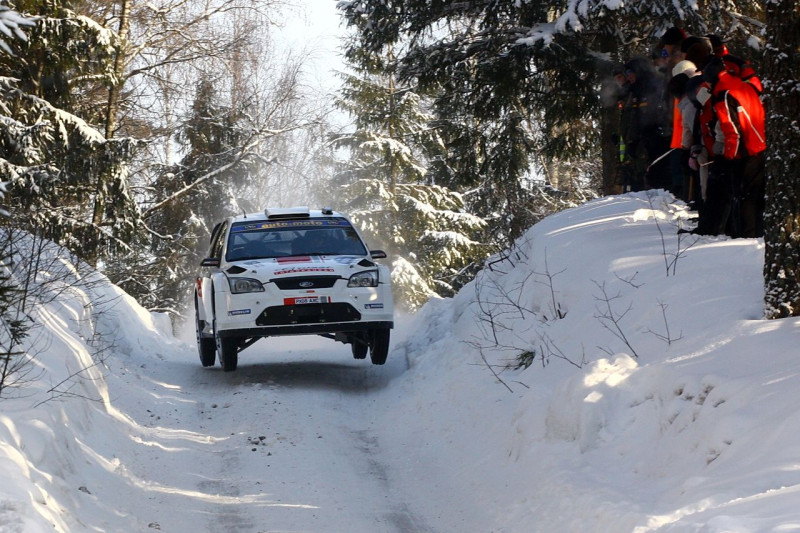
point(287, 443)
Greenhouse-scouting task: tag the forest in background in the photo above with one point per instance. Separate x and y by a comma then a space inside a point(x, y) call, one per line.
point(129, 128)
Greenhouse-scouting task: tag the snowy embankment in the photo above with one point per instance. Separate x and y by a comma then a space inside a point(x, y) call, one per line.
point(682, 415)
point(657, 399)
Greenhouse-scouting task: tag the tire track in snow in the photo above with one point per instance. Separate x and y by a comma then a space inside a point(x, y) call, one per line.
point(305, 444)
point(401, 517)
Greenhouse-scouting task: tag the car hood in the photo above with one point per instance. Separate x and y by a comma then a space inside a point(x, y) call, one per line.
point(301, 266)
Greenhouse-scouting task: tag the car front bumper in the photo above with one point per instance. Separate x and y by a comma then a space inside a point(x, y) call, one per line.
point(304, 329)
point(276, 313)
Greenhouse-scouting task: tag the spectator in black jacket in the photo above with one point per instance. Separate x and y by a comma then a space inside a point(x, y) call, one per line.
point(642, 122)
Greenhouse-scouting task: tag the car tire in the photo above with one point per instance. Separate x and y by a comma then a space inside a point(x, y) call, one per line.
point(379, 346)
point(226, 347)
point(359, 346)
point(227, 352)
point(205, 345)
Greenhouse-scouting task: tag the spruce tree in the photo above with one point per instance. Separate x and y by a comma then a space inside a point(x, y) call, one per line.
point(386, 187)
point(13, 326)
point(51, 150)
point(161, 275)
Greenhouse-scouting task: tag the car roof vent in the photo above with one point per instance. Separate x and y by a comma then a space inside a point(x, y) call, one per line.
point(278, 213)
point(327, 211)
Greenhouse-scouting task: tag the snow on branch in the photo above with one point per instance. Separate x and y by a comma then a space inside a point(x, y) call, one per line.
point(247, 150)
point(62, 118)
point(10, 26)
point(578, 15)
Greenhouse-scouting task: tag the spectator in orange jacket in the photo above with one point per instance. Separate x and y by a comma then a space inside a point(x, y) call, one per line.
point(684, 89)
point(671, 175)
point(738, 170)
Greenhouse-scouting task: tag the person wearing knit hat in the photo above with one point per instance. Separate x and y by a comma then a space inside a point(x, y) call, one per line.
point(693, 157)
point(699, 54)
point(697, 50)
point(696, 39)
point(673, 36)
point(669, 47)
point(685, 67)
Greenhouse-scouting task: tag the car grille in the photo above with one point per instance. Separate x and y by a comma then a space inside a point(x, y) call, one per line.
point(284, 315)
point(311, 282)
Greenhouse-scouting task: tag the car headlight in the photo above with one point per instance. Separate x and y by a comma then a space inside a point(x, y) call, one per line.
point(364, 279)
point(242, 285)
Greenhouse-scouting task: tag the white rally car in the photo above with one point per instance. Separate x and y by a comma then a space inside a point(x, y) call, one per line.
point(291, 272)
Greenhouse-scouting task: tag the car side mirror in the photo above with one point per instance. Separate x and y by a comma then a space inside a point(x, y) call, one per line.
point(377, 254)
point(210, 262)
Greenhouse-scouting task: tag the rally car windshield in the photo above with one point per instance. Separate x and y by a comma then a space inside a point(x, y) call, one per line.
point(266, 239)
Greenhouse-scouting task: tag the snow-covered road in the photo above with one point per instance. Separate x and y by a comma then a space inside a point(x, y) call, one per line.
point(289, 442)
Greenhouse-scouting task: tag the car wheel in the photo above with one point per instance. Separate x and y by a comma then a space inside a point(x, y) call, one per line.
point(359, 346)
point(227, 351)
point(379, 346)
point(205, 345)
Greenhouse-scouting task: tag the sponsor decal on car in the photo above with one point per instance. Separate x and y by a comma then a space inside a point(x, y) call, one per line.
point(295, 259)
point(239, 312)
point(300, 300)
point(293, 224)
point(303, 270)
point(373, 306)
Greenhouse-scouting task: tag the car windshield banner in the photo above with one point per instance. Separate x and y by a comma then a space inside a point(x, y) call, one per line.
point(290, 224)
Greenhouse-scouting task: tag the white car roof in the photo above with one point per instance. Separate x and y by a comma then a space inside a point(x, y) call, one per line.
point(287, 213)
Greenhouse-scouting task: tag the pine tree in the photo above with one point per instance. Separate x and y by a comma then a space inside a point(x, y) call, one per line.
point(66, 60)
point(424, 227)
point(782, 216)
point(51, 152)
point(13, 329)
point(161, 275)
point(494, 102)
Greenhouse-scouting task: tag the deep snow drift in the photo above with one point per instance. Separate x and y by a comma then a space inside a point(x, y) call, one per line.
point(657, 399)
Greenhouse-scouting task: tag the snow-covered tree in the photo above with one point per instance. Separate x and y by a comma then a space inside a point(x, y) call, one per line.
point(11, 26)
point(13, 328)
point(53, 162)
point(425, 227)
point(494, 106)
point(782, 216)
point(62, 171)
point(433, 249)
point(518, 82)
point(213, 170)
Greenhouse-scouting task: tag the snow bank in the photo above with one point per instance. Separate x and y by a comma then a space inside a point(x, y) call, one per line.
point(51, 457)
point(657, 399)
